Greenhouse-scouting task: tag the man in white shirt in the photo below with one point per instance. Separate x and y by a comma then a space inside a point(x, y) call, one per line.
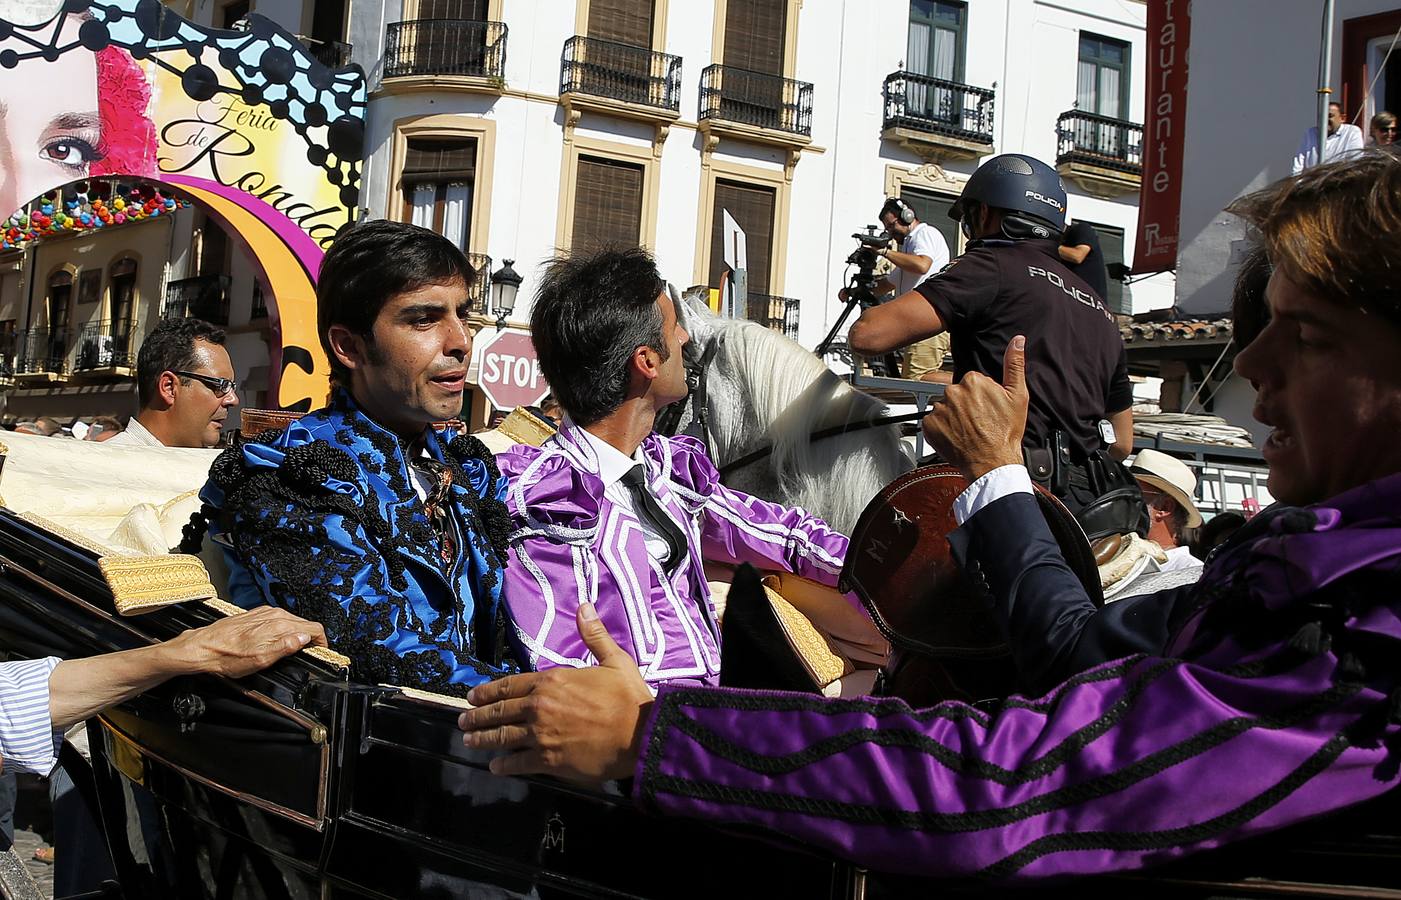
point(1343, 141)
point(1168, 485)
point(923, 252)
point(185, 383)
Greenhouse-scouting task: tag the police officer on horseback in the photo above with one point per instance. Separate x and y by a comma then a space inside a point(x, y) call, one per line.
point(1010, 281)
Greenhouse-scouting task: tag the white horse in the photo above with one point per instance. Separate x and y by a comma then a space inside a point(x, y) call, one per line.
point(765, 390)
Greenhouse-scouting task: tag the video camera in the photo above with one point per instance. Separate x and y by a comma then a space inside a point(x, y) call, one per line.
point(864, 256)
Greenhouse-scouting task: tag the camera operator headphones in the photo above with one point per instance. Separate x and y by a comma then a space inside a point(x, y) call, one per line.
point(902, 210)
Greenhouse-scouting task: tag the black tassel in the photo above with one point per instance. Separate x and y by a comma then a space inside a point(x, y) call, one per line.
point(1393, 707)
point(1350, 668)
point(1297, 521)
point(1311, 639)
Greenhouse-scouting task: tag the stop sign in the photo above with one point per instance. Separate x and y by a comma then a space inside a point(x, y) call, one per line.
point(507, 370)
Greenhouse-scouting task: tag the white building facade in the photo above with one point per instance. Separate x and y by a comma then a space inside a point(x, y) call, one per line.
point(522, 127)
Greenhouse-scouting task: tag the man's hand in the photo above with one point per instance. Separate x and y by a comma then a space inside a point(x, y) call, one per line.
point(240, 645)
point(979, 424)
point(578, 724)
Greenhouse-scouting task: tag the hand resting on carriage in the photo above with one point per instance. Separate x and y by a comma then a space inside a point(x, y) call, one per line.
point(978, 426)
point(578, 724)
point(233, 647)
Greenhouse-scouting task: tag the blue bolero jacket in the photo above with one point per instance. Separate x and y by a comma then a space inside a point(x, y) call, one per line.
point(322, 519)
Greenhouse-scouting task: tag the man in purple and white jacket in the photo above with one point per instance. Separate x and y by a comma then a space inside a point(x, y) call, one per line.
point(609, 512)
point(1154, 727)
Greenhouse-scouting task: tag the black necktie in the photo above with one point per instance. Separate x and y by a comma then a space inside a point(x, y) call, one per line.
point(648, 507)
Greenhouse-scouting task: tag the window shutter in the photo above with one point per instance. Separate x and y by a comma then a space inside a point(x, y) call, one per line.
point(754, 33)
point(933, 209)
point(624, 21)
point(607, 204)
point(471, 10)
point(438, 160)
point(752, 207)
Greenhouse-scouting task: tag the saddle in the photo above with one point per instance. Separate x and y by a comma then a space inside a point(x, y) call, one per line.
point(946, 644)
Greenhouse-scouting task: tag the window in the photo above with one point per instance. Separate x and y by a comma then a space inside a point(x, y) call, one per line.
point(90, 286)
point(933, 209)
point(607, 204)
point(231, 13)
point(121, 288)
point(8, 342)
point(754, 35)
point(1102, 85)
point(472, 10)
point(60, 295)
point(1111, 244)
point(259, 310)
point(213, 249)
point(752, 207)
point(623, 21)
point(936, 41)
point(437, 182)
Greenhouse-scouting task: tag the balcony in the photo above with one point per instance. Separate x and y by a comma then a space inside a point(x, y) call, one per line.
point(205, 297)
point(777, 313)
point(1101, 154)
point(105, 349)
point(43, 355)
point(432, 54)
point(331, 54)
point(755, 106)
point(620, 79)
point(937, 119)
point(479, 296)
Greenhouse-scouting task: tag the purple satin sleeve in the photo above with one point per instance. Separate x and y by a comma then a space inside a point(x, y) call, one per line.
point(1132, 763)
point(738, 528)
point(552, 566)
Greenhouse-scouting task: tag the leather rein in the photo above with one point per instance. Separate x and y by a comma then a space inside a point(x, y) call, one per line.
point(699, 428)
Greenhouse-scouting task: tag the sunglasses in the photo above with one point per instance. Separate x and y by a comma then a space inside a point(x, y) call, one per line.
point(219, 386)
point(1386, 128)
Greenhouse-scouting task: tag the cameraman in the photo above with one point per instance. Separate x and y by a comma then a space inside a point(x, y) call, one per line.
point(1010, 281)
point(923, 252)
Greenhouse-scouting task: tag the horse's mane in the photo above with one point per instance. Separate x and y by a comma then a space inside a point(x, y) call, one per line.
point(772, 391)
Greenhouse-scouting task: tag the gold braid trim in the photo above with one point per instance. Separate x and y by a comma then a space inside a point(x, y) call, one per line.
point(430, 697)
point(142, 583)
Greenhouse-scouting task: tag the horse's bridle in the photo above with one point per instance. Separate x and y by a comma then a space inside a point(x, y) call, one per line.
point(696, 396)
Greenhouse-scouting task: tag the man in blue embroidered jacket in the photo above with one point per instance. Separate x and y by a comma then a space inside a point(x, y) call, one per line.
point(362, 516)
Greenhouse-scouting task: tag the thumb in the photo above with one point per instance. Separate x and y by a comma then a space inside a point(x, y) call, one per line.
point(598, 640)
point(1014, 366)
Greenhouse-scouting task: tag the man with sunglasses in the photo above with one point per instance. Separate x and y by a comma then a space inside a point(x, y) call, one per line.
point(185, 385)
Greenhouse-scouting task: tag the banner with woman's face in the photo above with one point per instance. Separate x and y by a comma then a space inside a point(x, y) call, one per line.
point(246, 122)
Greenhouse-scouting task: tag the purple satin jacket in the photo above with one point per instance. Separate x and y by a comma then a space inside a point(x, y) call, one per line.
point(572, 544)
point(1277, 700)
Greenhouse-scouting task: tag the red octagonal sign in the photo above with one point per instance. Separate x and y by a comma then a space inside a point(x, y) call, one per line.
point(507, 370)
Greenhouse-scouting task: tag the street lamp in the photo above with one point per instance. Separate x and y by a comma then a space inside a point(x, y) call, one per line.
point(504, 284)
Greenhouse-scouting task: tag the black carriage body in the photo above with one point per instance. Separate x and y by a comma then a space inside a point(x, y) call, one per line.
point(294, 783)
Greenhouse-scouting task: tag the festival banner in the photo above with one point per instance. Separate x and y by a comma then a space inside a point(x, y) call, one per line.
point(1164, 121)
point(245, 122)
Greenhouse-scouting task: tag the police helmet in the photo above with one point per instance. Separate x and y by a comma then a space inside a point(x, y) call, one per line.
point(1026, 188)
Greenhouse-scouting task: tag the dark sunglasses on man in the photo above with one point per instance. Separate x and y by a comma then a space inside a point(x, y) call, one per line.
point(220, 386)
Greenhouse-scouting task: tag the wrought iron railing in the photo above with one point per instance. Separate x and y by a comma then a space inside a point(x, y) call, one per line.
point(9, 346)
point(479, 296)
point(620, 72)
point(756, 98)
point(43, 350)
point(105, 345)
point(1100, 141)
point(445, 47)
point(938, 106)
point(331, 54)
point(778, 313)
point(203, 297)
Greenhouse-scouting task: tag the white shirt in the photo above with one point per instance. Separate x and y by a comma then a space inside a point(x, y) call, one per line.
point(613, 464)
point(28, 741)
point(923, 240)
point(134, 435)
point(1345, 142)
point(1179, 559)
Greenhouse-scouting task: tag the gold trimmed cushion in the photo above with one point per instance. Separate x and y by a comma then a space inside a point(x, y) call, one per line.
point(143, 583)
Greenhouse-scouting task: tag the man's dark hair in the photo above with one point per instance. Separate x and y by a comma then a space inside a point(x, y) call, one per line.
point(370, 263)
point(1250, 312)
point(591, 312)
point(892, 207)
point(170, 347)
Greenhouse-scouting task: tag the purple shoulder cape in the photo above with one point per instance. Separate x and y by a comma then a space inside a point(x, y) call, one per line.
point(1280, 704)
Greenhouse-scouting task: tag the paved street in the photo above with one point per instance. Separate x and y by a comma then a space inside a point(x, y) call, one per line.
point(26, 842)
